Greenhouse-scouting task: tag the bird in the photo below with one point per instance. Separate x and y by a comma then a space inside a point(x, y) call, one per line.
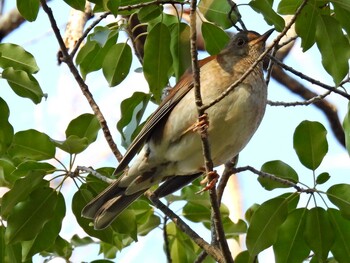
point(168, 148)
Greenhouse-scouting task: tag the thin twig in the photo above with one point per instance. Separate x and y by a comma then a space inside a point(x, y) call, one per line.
point(272, 177)
point(84, 88)
point(211, 250)
point(309, 79)
point(299, 103)
point(87, 31)
point(260, 58)
point(229, 166)
point(94, 173)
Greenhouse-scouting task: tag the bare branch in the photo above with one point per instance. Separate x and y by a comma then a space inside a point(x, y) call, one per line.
point(299, 103)
point(218, 234)
point(211, 250)
point(94, 173)
point(311, 80)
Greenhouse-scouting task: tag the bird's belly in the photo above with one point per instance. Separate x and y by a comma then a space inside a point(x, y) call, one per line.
point(232, 122)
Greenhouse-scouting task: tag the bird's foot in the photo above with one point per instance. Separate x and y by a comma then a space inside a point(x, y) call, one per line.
point(202, 123)
point(210, 180)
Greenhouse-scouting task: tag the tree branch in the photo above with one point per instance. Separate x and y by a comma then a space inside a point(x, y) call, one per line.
point(218, 234)
point(211, 250)
point(84, 88)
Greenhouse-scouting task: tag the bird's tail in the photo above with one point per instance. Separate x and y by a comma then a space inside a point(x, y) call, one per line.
point(105, 207)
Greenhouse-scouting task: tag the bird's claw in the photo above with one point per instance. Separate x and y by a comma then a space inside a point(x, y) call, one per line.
point(202, 123)
point(210, 180)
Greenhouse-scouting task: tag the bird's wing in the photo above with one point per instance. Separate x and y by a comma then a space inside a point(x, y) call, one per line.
point(184, 85)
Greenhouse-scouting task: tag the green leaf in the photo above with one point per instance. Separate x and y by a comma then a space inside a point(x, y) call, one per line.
point(29, 9)
point(16, 57)
point(264, 225)
point(76, 4)
point(305, 25)
point(116, 64)
point(334, 47)
point(242, 257)
point(132, 110)
point(23, 84)
point(280, 170)
point(344, 4)
point(290, 245)
point(61, 248)
point(149, 12)
point(113, 6)
point(80, 199)
point(339, 195)
point(84, 126)
point(91, 56)
point(288, 7)
point(6, 168)
point(346, 126)
point(217, 11)
point(319, 234)
point(250, 212)
point(47, 237)
point(152, 222)
point(32, 145)
point(181, 247)
point(73, 144)
point(6, 129)
point(342, 15)
point(77, 241)
point(341, 226)
point(30, 176)
point(232, 229)
point(180, 48)
point(9, 253)
point(215, 38)
point(310, 143)
point(271, 17)
point(196, 213)
point(29, 217)
point(157, 59)
point(322, 178)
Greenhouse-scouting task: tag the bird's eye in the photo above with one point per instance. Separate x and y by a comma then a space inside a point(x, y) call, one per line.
point(240, 42)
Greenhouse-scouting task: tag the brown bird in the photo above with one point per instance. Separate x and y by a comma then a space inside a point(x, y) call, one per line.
point(171, 150)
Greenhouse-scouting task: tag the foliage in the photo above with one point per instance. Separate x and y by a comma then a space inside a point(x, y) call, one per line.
point(32, 211)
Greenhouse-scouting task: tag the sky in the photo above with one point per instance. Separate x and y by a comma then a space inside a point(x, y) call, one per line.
point(273, 140)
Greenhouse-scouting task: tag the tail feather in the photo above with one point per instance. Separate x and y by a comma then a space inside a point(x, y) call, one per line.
point(109, 211)
point(105, 207)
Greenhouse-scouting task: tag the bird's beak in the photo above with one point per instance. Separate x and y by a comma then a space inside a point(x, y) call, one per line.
point(263, 37)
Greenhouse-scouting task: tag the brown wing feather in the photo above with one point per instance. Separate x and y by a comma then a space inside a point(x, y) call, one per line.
point(184, 85)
